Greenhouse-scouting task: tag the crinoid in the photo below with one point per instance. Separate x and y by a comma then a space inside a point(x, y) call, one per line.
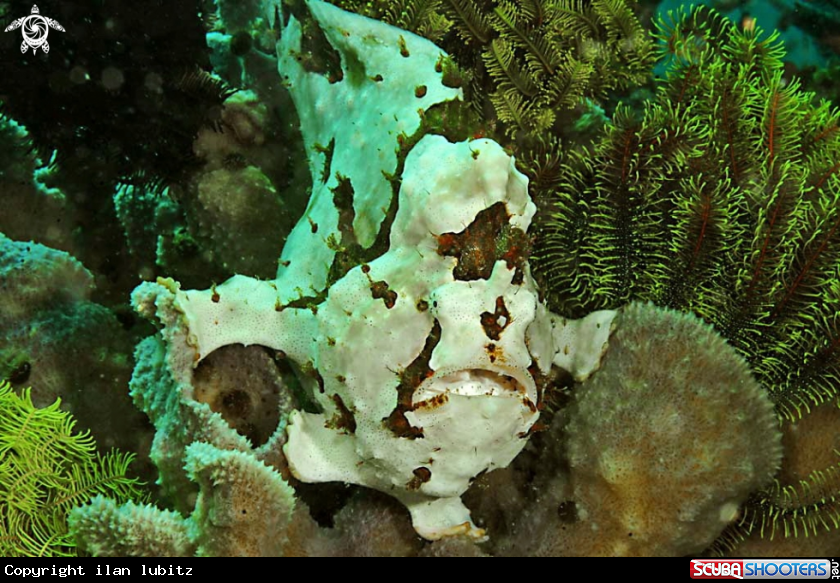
point(46, 469)
point(527, 63)
point(721, 199)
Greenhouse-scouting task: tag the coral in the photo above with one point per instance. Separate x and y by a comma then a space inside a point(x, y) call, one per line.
point(56, 339)
point(41, 213)
point(242, 129)
point(46, 468)
point(25, 267)
point(453, 547)
point(368, 526)
point(104, 529)
point(404, 338)
point(150, 220)
point(226, 202)
point(193, 229)
point(243, 509)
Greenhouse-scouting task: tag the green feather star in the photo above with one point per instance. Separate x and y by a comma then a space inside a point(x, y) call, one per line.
point(722, 199)
point(47, 469)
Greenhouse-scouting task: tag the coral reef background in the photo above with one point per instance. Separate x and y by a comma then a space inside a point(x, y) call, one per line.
point(158, 140)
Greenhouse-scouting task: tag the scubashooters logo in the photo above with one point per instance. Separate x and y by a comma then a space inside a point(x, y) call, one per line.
point(760, 569)
point(702, 569)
